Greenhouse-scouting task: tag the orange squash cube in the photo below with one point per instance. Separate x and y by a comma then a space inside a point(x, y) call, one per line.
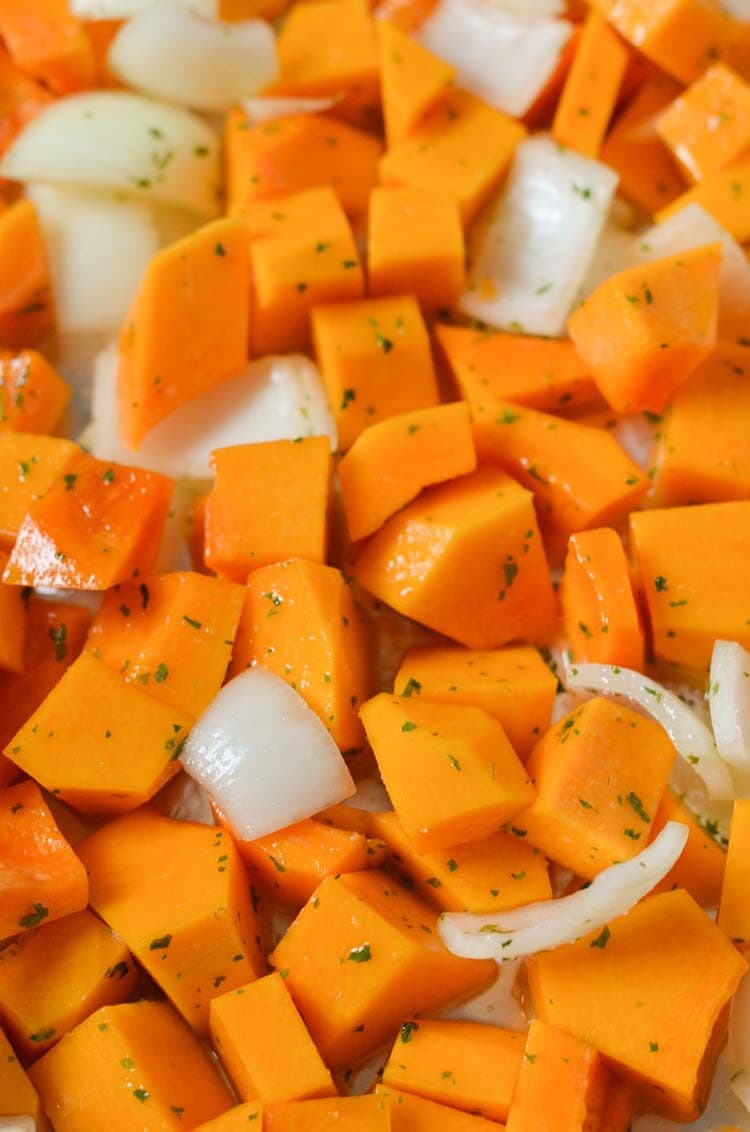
point(414, 1114)
point(48, 42)
point(54, 977)
point(236, 1119)
point(692, 563)
point(602, 619)
point(302, 253)
point(98, 524)
point(723, 195)
point(32, 395)
point(450, 771)
point(708, 126)
point(644, 330)
point(465, 559)
point(262, 160)
point(512, 684)
point(171, 634)
point(269, 502)
point(26, 304)
point(188, 326)
point(462, 146)
point(18, 1097)
point(29, 466)
point(734, 915)
point(412, 80)
point(391, 462)
point(463, 1065)
point(630, 996)
point(346, 1114)
point(128, 1044)
point(416, 246)
point(42, 878)
point(12, 625)
point(491, 875)
point(364, 954)
point(562, 1083)
point(190, 920)
point(701, 867)
point(591, 87)
point(375, 360)
point(600, 774)
point(264, 1044)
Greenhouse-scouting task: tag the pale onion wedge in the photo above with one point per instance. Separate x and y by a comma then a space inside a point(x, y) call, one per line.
point(274, 398)
point(126, 9)
point(502, 57)
point(264, 757)
point(729, 701)
point(17, 1124)
point(121, 143)
point(552, 923)
point(169, 53)
point(692, 739)
point(267, 108)
point(533, 256)
point(98, 246)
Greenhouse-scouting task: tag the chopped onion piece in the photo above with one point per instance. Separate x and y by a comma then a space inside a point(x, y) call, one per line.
point(692, 227)
point(690, 736)
point(184, 799)
point(498, 1005)
point(729, 700)
point(541, 236)
point(125, 9)
point(502, 57)
point(552, 923)
point(266, 109)
point(98, 247)
point(17, 1124)
point(739, 9)
point(613, 253)
point(275, 398)
point(264, 757)
point(181, 57)
point(124, 143)
point(637, 434)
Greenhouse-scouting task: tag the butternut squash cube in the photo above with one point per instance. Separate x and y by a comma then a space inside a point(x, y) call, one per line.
point(26, 304)
point(412, 80)
point(236, 1119)
point(29, 466)
point(734, 914)
point(346, 1114)
point(708, 125)
point(410, 1113)
point(18, 1097)
point(33, 396)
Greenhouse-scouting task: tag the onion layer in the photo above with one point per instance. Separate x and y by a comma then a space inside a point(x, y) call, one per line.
point(729, 701)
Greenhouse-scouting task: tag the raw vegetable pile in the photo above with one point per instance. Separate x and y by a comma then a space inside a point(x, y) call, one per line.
point(374, 542)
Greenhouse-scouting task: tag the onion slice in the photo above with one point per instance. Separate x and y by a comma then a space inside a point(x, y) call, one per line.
point(266, 109)
point(690, 736)
point(264, 757)
point(729, 701)
point(173, 54)
point(552, 923)
point(124, 143)
point(126, 9)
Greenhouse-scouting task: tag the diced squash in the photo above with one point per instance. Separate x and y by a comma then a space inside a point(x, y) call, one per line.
point(562, 1084)
point(724, 195)
point(734, 914)
point(466, 560)
point(264, 1044)
point(302, 253)
point(645, 330)
point(602, 618)
point(450, 771)
point(328, 47)
point(692, 563)
point(631, 994)
point(708, 126)
point(702, 456)
point(416, 245)
point(599, 774)
point(701, 867)
point(125, 741)
point(236, 1119)
point(172, 634)
point(580, 476)
point(391, 462)
point(262, 160)
point(633, 148)
point(541, 373)
point(513, 684)
point(48, 42)
point(21, 99)
point(26, 306)
point(414, 1114)
point(491, 875)
point(269, 502)
point(463, 1065)
point(364, 954)
point(188, 326)
point(301, 622)
point(54, 977)
point(135, 1084)
point(18, 1097)
point(32, 395)
point(97, 525)
point(29, 466)
point(41, 878)
point(291, 863)
point(375, 360)
point(591, 87)
point(346, 1114)
point(462, 145)
point(413, 80)
point(190, 921)
point(12, 625)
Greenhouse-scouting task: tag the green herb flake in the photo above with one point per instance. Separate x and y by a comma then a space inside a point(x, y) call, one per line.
point(361, 954)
